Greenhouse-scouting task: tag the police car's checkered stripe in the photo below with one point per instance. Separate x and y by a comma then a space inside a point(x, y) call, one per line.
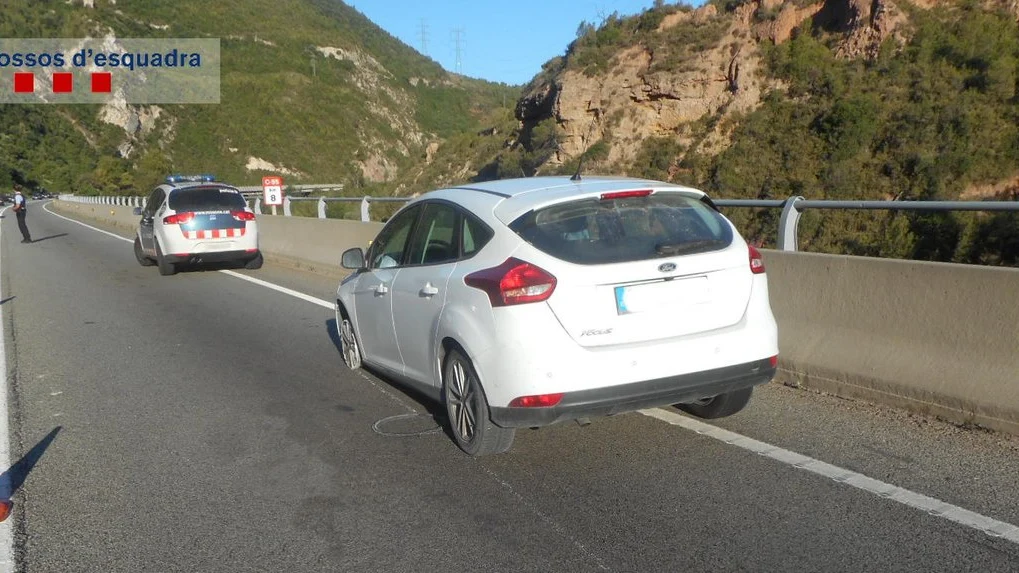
point(213, 233)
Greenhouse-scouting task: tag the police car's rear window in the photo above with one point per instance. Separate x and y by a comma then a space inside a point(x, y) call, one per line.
point(206, 199)
point(594, 231)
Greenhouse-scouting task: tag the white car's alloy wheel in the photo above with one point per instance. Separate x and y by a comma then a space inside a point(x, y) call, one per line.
point(461, 407)
point(348, 346)
point(467, 410)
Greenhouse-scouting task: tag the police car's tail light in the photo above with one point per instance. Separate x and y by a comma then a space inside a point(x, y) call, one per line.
point(179, 218)
point(243, 215)
point(513, 282)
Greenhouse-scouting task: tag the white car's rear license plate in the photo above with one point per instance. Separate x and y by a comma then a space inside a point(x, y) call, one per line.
point(661, 295)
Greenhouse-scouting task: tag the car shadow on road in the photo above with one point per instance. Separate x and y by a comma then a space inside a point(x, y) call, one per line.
point(210, 267)
point(12, 479)
point(434, 409)
point(57, 236)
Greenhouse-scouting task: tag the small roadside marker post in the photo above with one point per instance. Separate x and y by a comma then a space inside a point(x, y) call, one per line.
point(272, 189)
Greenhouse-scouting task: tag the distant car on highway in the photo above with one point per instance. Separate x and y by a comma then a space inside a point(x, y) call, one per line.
point(196, 220)
point(522, 303)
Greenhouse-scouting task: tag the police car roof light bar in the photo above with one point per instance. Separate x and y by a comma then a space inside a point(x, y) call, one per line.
point(190, 179)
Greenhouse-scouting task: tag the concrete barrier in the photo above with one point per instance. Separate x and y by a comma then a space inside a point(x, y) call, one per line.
point(304, 243)
point(936, 338)
point(939, 339)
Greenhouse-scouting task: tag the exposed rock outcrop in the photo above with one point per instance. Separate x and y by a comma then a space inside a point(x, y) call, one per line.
point(866, 24)
point(635, 99)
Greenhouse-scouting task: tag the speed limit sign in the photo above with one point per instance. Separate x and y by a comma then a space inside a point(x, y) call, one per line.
point(272, 188)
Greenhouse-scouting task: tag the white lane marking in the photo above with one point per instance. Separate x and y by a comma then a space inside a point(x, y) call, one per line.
point(114, 235)
point(259, 282)
point(7, 527)
point(935, 507)
point(282, 289)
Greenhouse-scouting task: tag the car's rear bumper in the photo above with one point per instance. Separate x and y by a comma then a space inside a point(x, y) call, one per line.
point(213, 257)
point(610, 400)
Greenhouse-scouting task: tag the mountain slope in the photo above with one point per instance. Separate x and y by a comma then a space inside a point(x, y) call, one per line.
point(840, 99)
point(310, 89)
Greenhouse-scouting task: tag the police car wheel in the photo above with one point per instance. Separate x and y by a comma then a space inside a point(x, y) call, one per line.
point(139, 254)
point(166, 268)
point(255, 263)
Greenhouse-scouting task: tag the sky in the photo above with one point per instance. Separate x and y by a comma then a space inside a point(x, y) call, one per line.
point(500, 40)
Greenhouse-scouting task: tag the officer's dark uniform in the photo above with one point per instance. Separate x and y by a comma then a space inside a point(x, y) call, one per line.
point(20, 209)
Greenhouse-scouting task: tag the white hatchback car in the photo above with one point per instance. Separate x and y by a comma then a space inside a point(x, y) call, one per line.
point(194, 220)
point(526, 302)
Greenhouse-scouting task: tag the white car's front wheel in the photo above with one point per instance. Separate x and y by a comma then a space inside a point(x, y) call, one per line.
point(467, 410)
point(348, 343)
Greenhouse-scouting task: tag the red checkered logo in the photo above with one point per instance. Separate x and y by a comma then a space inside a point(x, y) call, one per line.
point(213, 233)
point(24, 82)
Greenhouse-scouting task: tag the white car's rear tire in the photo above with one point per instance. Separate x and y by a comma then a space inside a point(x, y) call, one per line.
point(719, 406)
point(467, 409)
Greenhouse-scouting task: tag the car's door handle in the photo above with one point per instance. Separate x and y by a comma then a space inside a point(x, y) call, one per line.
point(381, 289)
point(429, 290)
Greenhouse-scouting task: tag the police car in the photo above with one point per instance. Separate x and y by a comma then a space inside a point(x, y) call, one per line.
point(193, 219)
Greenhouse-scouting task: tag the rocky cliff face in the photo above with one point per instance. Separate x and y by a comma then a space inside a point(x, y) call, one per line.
point(690, 102)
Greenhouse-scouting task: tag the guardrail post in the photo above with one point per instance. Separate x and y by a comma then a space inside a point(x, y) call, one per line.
point(365, 216)
point(788, 224)
point(258, 206)
point(286, 206)
point(321, 207)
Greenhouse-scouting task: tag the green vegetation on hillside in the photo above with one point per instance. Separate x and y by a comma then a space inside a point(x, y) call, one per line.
point(283, 99)
point(595, 46)
point(922, 123)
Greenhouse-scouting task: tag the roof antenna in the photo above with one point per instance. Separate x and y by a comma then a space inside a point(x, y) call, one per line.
point(580, 165)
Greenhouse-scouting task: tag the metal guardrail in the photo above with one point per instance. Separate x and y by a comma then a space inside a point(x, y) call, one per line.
point(256, 204)
point(792, 208)
point(124, 201)
point(322, 201)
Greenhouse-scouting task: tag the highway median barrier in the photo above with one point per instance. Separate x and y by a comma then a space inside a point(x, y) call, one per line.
point(936, 338)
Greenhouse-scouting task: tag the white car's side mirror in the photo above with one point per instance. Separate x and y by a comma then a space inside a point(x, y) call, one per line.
point(352, 259)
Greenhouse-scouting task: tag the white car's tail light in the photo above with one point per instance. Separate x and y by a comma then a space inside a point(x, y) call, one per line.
point(539, 401)
point(179, 218)
point(756, 261)
point(513, 282)
point(635, 194)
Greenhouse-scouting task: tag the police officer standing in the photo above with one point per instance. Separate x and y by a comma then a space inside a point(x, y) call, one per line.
point(20, 209)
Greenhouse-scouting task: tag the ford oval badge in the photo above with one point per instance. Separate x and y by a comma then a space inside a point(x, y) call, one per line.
point(667, 267)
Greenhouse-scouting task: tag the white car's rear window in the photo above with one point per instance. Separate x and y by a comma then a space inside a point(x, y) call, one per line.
point(595, 231)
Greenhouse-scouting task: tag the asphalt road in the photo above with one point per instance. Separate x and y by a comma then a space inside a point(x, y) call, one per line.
point(204, 423)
